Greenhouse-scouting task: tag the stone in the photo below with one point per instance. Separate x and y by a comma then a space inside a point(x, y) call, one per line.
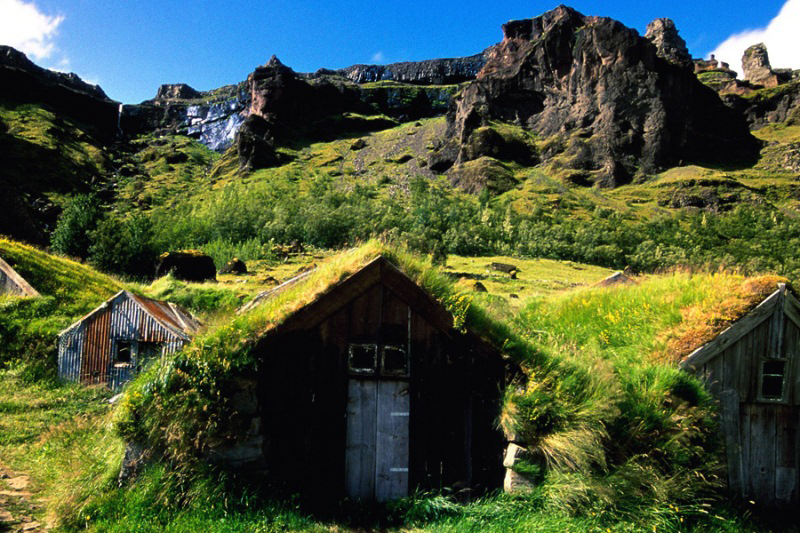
point(358, 144)
point(177, 91)
point(136, 455)
point(757, 69)
point(669, 45)
point(564, 76)
point(187, 265)
point(427, 72)
point(503, 267)
point(515, 482)
point(479, 287)
point(234, 266)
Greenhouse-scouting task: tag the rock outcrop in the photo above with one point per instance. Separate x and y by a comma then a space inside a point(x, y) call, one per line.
point(212, 117)
point(612, 107)
point(669, 45)
point(24, 82)
point(758, 71)
point(429, 72)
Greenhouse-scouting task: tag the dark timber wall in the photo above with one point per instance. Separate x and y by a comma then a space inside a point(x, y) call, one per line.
point(752, 368)
point(454, 383)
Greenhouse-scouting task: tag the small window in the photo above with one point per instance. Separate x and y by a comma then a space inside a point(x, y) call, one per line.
point(363, 358)
point(394, 361)
point(148, 350)
point(773, 378)
point(122, 353)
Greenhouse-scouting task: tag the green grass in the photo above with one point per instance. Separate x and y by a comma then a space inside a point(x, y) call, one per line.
point(68, 289)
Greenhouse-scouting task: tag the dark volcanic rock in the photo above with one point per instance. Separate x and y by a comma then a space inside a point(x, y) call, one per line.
point(234, 266)
point(188, 265)
point(213, 118)
point(428, 72)
point(766, 106)
point(176, 91)
point(255, 144)
point(669, 45)
point(23, 81)
point(565, 74)
point(758, 71)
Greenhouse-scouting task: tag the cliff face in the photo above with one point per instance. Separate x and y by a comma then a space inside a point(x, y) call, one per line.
point(428, 72)
point(616, 108)
point(212, 117)
point(24, 82)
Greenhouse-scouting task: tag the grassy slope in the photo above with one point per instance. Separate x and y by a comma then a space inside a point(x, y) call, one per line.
point(69, 290)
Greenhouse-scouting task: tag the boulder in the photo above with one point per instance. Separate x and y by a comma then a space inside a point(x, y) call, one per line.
point(234, 266)
point(187, 265)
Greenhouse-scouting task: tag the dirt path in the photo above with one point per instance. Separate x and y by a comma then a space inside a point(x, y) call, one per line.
point(18, 505)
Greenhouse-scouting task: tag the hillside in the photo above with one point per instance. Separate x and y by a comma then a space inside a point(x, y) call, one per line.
point(618, 434)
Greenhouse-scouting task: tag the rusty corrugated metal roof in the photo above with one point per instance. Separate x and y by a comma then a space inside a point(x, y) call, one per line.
point(172, 316)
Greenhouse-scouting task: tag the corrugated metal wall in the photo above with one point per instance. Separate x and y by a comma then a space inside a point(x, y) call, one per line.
point(85, 351)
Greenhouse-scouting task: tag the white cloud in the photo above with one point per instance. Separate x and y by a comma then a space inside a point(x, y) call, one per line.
point(780, 35)
point(27, 29)
point(378, 57)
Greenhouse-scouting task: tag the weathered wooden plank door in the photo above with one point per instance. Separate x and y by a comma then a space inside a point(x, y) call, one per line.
point(376, 456)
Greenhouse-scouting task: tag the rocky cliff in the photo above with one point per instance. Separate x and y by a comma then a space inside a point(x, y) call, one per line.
point(429, 72)
point(609, 104)
point(212, 117)
point(24, 82)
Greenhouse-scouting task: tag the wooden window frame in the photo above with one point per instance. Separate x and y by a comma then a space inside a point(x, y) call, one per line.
point(784, 383)
point(379, 370)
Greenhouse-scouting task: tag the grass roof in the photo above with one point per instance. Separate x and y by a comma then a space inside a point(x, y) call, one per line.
point(606, 416)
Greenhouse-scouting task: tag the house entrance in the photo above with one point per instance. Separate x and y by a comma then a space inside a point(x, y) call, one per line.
point(378, 412)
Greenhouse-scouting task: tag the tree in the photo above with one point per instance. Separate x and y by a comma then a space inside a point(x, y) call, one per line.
point(81, 216)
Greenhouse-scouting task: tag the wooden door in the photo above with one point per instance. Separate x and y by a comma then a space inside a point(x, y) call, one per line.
point(376, 456)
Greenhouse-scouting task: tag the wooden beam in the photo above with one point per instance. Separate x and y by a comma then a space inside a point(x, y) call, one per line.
point(736, 331)
point(776, 328)
point(791, 307)
point(729, 401)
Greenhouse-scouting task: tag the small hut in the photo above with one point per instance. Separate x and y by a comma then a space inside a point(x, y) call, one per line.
point(13, 283)
point(113, 342)
point(753, 368)
point(371, 392)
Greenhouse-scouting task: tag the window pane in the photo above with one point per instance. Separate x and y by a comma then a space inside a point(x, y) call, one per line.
point(774, 368)
point(123, 354)
point(394, 361)
point(772, 387)
point(363, 358)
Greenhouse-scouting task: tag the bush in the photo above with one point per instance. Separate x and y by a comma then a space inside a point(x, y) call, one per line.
point(72, 234)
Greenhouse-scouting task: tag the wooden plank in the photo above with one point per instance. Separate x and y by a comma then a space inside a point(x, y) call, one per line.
point(733, 450)
point(791, 307)
point(776, 325)
point(744, 436)
point(736, 331)
point(762, 454)
point(392, 443)
point(786, 471)
point(715, 372)
point(361, 434)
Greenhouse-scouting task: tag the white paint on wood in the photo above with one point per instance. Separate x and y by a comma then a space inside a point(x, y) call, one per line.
point(376, 460)
point(391, 472)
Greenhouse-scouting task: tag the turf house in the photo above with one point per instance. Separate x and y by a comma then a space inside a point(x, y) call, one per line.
point(752, 368)
point(375, 369)
point(112, 343)
point(12, 283)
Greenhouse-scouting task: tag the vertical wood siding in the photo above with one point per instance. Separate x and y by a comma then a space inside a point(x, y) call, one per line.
point(85, 350)
point(760, 436)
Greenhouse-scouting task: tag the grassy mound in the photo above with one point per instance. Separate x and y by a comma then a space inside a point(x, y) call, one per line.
point(29, 326)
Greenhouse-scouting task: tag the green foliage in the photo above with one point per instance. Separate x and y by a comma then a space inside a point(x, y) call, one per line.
point(198, 298)
point(72, 233)
point(28, 326)
point(124, 247)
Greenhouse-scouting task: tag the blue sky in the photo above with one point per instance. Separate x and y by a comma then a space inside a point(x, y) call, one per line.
point(130, 48)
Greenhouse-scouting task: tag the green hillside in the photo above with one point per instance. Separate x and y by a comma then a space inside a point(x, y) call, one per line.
point(69, 290)
point(619, 439)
